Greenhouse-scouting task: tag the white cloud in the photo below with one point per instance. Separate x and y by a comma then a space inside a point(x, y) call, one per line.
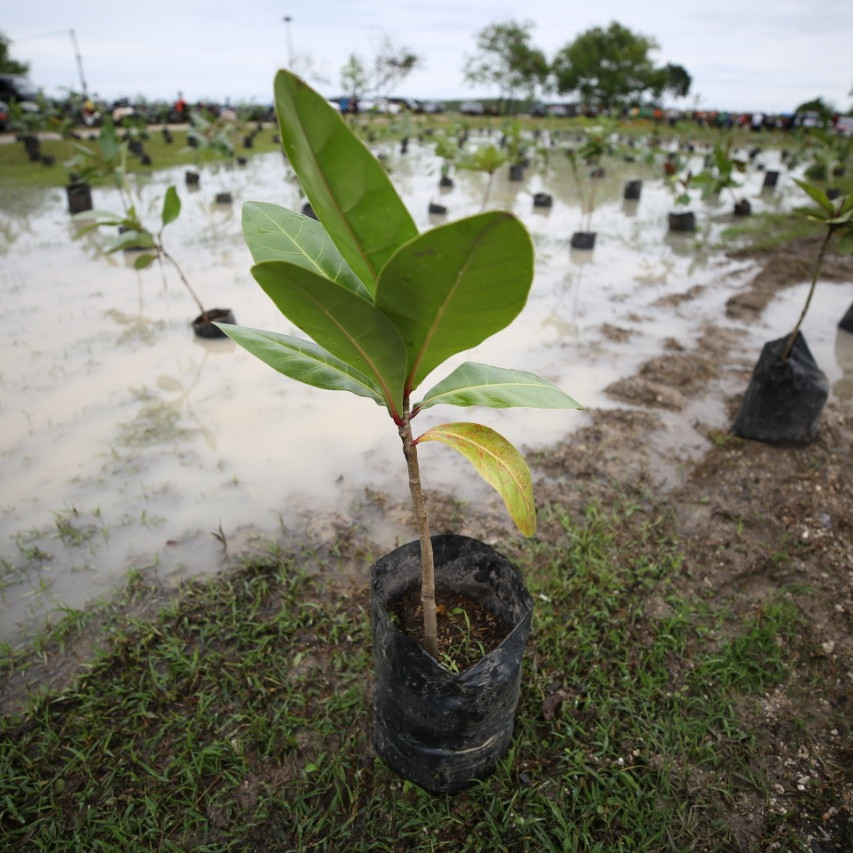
point(743, 56)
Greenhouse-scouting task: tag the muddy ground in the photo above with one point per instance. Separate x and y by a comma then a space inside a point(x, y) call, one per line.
point(756, 521)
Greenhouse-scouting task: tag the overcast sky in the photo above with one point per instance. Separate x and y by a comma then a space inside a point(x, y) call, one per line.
point(743, 55)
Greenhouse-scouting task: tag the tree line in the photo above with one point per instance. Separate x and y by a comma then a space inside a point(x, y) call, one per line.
point(604, 67)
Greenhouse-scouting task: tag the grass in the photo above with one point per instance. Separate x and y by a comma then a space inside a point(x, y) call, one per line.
point(16, 169)
point(236, 715)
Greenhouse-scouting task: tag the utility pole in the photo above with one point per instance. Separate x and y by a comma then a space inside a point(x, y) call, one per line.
point(287, 19)
point(77, 57)
point(79, 63)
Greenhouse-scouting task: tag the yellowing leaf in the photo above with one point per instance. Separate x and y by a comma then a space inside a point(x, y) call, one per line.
point(498, 462)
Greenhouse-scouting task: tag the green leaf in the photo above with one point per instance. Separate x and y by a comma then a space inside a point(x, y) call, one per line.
point(108, 142)
point(274, 233)
point(497, 462)
point(144, 261)
point(346, 185)
point(171, 206)
point(303, 360)
point(131, 239)
point(452, 287)
point(91, 220)
point(341, 322)
point(484, 159)
point(473, 384)
point(817, 194)
point(816, 214)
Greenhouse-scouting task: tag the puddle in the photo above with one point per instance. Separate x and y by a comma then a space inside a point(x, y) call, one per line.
point(127, 442)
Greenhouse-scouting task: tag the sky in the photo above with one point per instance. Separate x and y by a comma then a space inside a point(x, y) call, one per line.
point(749, 55)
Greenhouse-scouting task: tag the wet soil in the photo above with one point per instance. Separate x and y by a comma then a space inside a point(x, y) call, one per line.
point(755, 522)
point(466, 629)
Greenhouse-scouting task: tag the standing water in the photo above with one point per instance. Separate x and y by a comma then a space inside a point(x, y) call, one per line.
point(126, 442)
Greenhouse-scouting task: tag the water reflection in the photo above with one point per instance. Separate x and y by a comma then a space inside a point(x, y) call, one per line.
point(118, 420)
point(843, 388)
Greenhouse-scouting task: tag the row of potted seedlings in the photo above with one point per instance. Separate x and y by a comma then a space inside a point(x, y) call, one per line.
point(718, 174)
point(107, 161)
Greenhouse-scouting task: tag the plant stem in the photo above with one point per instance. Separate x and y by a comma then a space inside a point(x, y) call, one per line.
point(427, 566)
point(183, 278)
point(793, 336)
point(488, 191)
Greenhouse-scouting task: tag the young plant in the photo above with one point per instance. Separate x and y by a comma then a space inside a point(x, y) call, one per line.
point(484, 158)
point(384, 305)
point(108, 161)
point(589, 156)
point(210, 139)
point(720, 175)
point(680, 181)
point(837, 218)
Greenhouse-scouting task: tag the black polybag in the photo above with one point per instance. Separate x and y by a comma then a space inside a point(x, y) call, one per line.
point(442, 729)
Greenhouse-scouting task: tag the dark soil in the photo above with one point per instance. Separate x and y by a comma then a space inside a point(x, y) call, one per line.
point(466, 630)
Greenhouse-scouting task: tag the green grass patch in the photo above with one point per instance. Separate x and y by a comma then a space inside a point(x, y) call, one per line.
point(238, 717)
point(16, 169)
point(763, 231)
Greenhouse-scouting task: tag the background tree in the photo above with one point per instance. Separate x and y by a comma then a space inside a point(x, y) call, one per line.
point(611, 67)
point(381, 73)
point(507, 60)
point(819, 106)
point(675, 80)
point(7, 64)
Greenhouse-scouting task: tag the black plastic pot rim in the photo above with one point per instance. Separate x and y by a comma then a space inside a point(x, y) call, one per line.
point(451, 675)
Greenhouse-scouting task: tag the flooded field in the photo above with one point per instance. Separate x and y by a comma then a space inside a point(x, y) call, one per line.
point(126, 442)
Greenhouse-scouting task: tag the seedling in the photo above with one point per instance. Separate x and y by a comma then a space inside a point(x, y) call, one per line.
point(837, 219)
point(109, 161)
point(721, 173)
point(587, 158)
point(385, 305)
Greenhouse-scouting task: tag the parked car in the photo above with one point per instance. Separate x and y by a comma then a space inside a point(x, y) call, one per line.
point(471, 108)
point(558, 110)
point(844, 125)
point(809, 118)
point(4, 115)
point(16, 88)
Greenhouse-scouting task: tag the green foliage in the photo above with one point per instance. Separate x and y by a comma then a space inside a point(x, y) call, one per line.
point(108, 161)
point(835, 214)
point(827, 154)
point(8, 65)
point(819, 106)
point(589, 156)
point(211, 138)
point(608, 67)
point(720, 175)
point(674, 79)
point(380, 73)
point(483, 158)
point(507, 60)
point(837, 219)
point(383, 304)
